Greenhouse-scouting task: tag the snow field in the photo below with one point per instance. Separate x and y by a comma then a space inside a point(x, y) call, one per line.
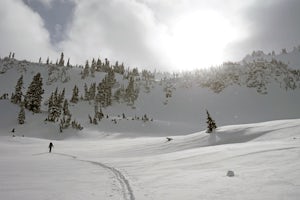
point(263, 156)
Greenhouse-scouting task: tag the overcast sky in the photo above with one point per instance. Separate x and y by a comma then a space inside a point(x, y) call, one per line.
point(153, 34)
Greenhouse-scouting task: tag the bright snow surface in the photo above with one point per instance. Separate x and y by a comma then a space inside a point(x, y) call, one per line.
point(265, 158)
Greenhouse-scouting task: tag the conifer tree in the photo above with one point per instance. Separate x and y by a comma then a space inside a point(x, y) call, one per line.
point(50, 106)
point(65, 122)
point(75, 95)
point(21, 116)
point(98, 113)
point(93, 68)
point(92, 91)
point(86, 70)
point(86, 92)
point(99, 65)
point(54, 110)
point(55, 106)
point(211, 125)
point(61, 97)
point(131, 93)
point(66, 110)
point(76, 125)
point(68, 63)
point(17, 96)
point(61, 61)
point(33, 97)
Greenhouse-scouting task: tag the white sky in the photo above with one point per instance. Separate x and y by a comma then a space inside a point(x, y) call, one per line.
point(160, 34)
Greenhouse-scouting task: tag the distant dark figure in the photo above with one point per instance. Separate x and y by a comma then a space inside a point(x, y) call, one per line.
point(169, 139)
point(50, 147)
point(13, 130)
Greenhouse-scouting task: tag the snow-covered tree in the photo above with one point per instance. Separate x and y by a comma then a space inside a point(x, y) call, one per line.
point(76, 125)
point(21, 116)
point(61, 61)
point(86, 70)
point(55, 106)
point(17, 96)
point(86, 92)
point(75, 95)
point(211, 125)
point(98, 113)
point(68, 63)
point(66, 110)
point(92, 91)
point(104, 94)
point(93, 68)
point(33, 97)
point(65, 122)
point(131, 94)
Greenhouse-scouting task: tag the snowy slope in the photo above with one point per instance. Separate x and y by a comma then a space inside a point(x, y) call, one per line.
point(264, 158)
point(183, 113)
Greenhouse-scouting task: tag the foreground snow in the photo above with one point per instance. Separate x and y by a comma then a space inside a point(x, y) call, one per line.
point(264, 158)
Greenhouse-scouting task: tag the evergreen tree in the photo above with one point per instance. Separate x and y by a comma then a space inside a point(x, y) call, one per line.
point(211, 125)
point(131, 94)
point(98, 65)
point(86, 70)
point(55, 106)
point(61, 97)
point(76, 125)
point(86, 92)
point(50, 106)
point(17, 96)
point(93, 68)
point(65, 122)
point(68, 63)
point(61, 61)
point(98, 113)
point(21, 117)
point(33, 97)
point(92, 91)
point(75, 95)
point(66, 110)
point(54, 110)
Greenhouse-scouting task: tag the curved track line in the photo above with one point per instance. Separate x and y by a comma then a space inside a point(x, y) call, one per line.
point(126, 188)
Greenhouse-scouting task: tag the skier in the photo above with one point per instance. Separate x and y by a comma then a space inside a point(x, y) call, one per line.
point(50, 147)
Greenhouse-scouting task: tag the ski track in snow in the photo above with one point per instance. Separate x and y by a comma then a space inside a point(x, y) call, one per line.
point(127, 191)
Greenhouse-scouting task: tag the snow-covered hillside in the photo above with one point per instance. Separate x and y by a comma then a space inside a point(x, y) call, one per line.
point(254, 90)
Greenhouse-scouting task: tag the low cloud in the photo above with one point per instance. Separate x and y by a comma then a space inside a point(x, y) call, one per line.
point(22, 31)
point(120, 30)
point(140, 33)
